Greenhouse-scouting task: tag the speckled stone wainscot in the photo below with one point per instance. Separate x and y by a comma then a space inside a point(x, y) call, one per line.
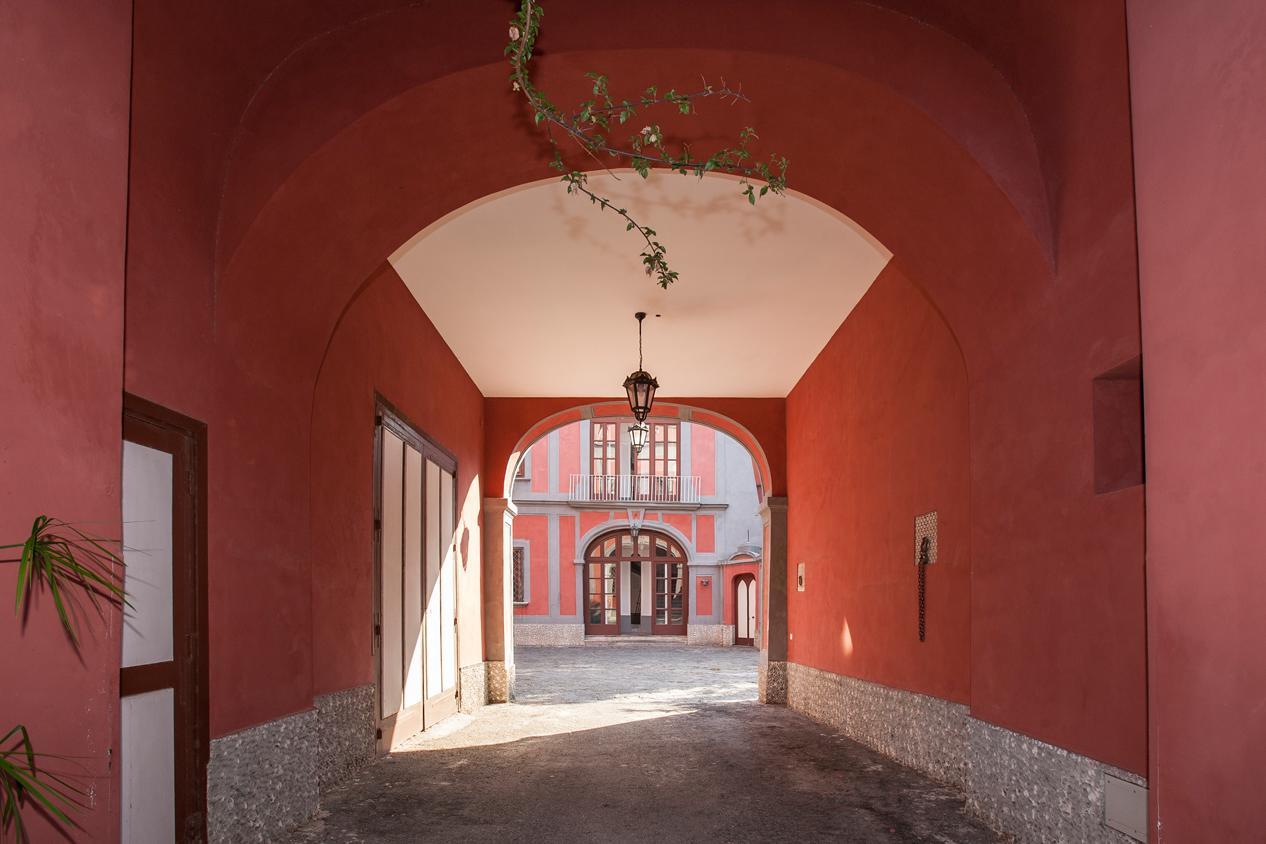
point(345, 733)
point(710, 634)
point(474, 687)
point(1023, 787)
point(925, 733)
point(1035, 791)
point(771, 680)
point(262, 781)
point(549, 635)
point(500, 682)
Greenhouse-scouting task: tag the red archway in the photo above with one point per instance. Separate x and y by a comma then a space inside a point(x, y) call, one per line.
point(512, 425)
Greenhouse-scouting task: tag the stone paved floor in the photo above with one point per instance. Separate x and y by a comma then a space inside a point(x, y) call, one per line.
point(644, 743)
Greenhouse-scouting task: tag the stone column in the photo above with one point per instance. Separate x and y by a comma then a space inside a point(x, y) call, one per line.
point(498, 517)
point(772, 676)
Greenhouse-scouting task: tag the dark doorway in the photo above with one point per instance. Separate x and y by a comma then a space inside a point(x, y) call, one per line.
point(635, 594)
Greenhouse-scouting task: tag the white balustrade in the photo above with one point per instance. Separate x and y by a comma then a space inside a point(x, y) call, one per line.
point(634, 489)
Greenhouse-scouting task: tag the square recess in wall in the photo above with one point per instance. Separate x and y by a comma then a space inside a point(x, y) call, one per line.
point(925, 525)
point(1118, 426)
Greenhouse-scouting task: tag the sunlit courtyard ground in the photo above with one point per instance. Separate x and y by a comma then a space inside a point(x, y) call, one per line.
point(638, 743)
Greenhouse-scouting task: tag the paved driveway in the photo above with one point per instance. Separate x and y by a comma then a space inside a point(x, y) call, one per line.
point(638, 743)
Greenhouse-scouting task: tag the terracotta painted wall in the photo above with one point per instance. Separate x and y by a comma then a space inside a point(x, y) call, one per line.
point(705, 534)
point(566, 565)
point(570, 448)
point(540, 467)
point(384, 344)
point(683, 522)
point(703, 594)
point(535, 531)
point(63, 197)
point(877, 434)
point(703, 456)
point(1198, 79)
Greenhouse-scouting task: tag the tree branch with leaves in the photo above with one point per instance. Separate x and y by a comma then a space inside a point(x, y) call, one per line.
point(590, 125)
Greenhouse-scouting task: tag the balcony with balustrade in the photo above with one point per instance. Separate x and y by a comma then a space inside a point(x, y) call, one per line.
point(640, 490)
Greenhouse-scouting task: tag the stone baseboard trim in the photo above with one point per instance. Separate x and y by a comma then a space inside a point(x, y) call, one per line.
point(345, 733)
point(1024, 788)
point(549, 635)
point(925, 733)
point(709, 634)
point(1036, 791)
point(500, 682)
point(474, 687)
point(262, 781)
point(771, 680)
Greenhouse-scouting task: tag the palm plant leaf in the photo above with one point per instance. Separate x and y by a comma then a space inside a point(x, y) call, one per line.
point(23, 781)
point(57, 555)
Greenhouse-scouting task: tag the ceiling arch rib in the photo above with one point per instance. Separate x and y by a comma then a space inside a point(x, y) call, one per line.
point(329, 82)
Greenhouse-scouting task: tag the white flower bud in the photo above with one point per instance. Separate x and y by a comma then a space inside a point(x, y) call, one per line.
point(514, 33)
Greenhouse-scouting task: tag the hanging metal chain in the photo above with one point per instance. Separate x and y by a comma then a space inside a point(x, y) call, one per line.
point(925, 547)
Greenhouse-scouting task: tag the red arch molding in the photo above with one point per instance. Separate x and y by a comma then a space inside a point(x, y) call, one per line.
point(503, 417)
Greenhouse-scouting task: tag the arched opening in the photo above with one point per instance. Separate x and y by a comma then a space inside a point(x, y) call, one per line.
point(637, 582)
point(606, 542)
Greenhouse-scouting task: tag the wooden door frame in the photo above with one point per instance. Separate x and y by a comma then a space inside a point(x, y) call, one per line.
point(602, 629)
point(386, 415)
point(152, 425)
point(620, 558)
point(682, 629)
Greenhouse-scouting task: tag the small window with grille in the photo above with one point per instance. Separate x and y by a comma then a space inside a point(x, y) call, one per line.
point(518, 565)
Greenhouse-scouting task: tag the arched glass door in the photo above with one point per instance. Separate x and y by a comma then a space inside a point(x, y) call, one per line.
point(609, 567)
point(670, 588)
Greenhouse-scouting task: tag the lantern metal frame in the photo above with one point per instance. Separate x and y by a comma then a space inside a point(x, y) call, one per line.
point(639, 436)
point(640, 386)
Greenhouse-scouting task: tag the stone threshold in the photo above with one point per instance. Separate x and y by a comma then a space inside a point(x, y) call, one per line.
point(636, 640)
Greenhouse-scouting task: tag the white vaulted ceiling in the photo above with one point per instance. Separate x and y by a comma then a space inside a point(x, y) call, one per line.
point(535, 290)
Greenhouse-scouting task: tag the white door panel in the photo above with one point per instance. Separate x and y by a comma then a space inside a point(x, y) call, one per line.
point(147, 544)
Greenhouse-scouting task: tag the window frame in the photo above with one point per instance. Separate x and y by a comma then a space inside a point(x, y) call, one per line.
point(523, 547)
point(608, 461)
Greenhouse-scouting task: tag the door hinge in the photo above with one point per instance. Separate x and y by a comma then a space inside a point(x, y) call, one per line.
point(378, 734)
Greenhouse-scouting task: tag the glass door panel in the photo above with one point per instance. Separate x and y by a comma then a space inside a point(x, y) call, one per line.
point(670, 598)
point(602, 600)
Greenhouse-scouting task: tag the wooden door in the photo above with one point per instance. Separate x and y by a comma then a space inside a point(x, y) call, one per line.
point(415, 612)
point(671, 589)
point(744, 610)
point(602, 594)
point(164, 735)
point(441, 596)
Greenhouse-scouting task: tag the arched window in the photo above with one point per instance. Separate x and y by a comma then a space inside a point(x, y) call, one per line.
point(616, 565)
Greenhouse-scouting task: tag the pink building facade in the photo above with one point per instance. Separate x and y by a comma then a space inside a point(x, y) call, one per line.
point(610, 543)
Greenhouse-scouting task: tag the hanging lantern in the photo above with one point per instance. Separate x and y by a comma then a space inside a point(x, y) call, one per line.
point(639, 434)
point(641, 385)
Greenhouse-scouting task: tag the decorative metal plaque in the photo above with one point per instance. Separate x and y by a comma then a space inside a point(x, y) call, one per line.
point(925, 525)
